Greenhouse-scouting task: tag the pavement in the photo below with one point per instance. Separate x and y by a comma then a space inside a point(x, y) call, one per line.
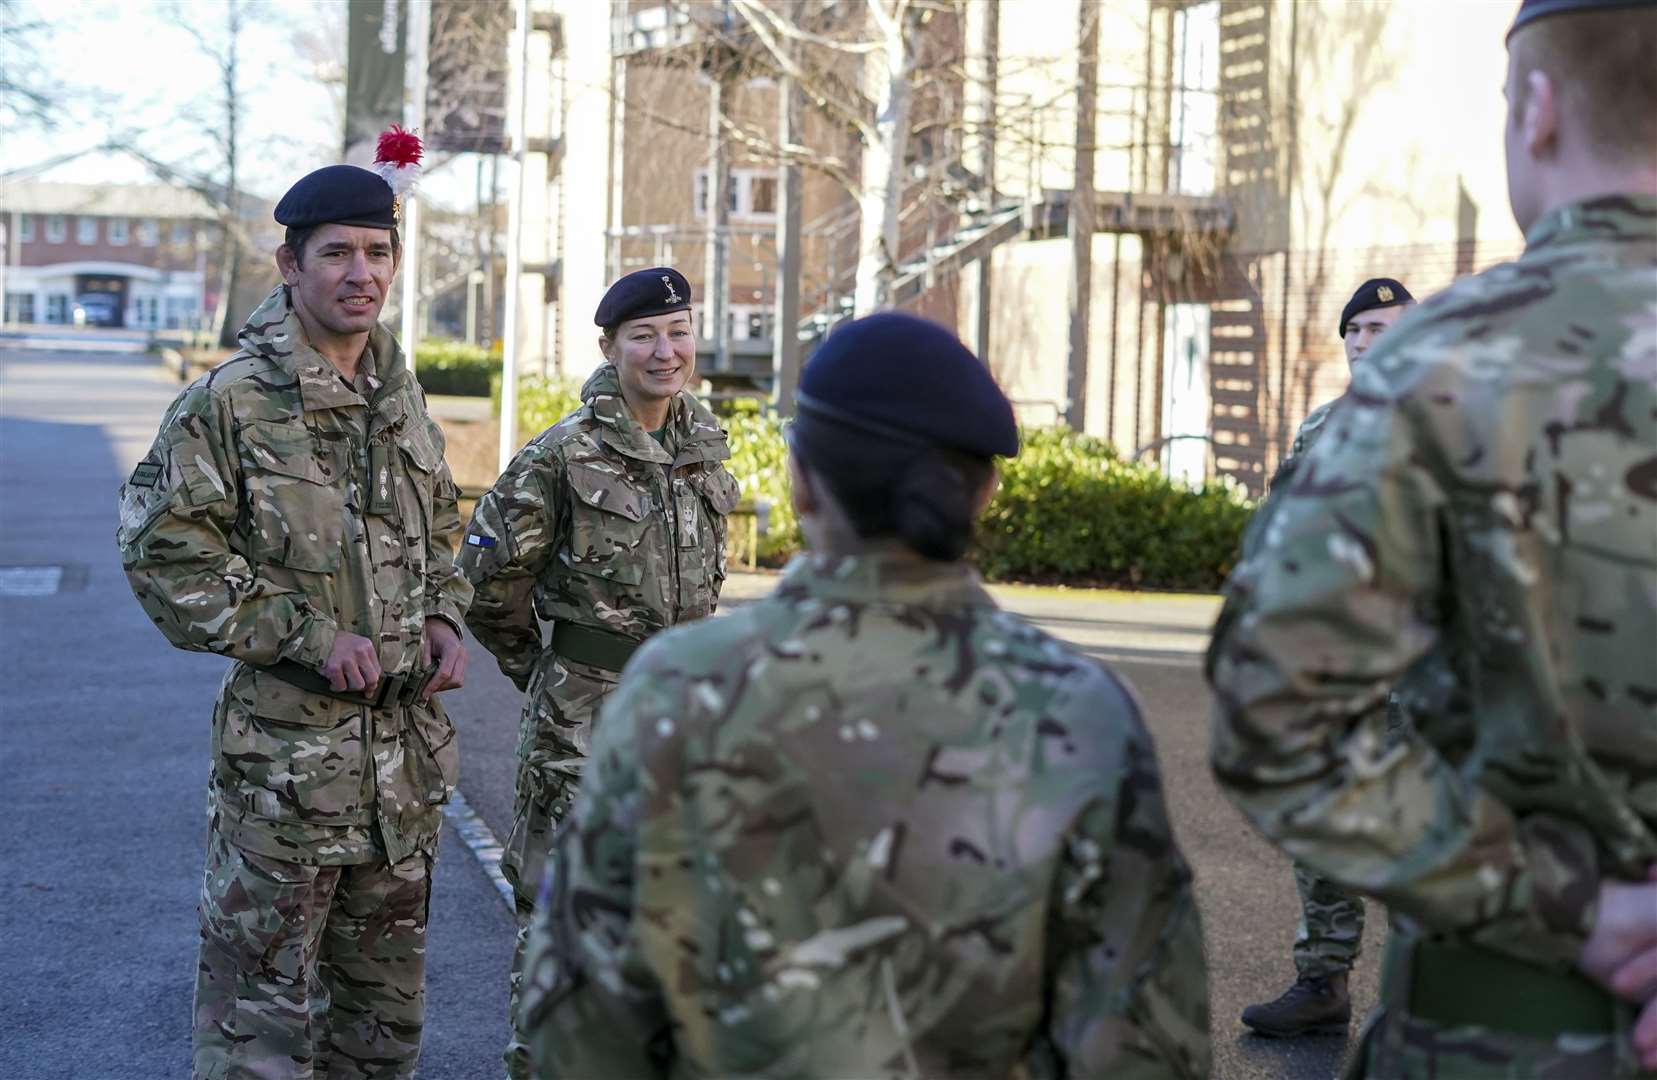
point(104, 756)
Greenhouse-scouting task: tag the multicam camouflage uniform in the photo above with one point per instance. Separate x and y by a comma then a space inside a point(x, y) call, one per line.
point(254, 529)
point(593, 524)
point(1487, 496)
point(871, 826)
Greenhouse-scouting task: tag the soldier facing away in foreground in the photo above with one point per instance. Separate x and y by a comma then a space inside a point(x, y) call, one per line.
point(1331, 926)
point(611, 525)
point(871, 825)
point(1485, 498)
point(295, 515)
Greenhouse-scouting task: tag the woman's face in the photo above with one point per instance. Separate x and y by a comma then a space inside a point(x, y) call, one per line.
point(654, 357)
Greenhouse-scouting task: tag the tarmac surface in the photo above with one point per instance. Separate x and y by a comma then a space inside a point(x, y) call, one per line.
point(104, 754)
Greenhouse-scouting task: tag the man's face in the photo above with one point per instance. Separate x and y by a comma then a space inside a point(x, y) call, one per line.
point(343, 283)
point(654, 356)
point(1364, 328)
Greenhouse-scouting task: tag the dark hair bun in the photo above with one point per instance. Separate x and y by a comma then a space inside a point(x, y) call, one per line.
point(932, 509)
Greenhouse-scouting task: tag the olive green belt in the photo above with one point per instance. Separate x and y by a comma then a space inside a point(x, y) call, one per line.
point(1461, 985)
point(592, 646)
point(391, 690)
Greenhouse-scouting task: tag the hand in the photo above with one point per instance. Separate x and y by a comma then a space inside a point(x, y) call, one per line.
point(353, 663)
point(1621, 951)
point(440, 642)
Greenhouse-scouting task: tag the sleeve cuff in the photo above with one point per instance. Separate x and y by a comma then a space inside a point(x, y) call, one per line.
point(313, 643)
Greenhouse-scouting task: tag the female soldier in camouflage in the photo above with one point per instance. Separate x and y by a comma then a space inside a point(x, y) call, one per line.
point(871, 825)
point(610, 525)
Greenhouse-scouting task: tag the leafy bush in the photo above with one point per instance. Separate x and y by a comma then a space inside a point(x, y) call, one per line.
point(456, 367)
point(542, 402)
point(1068, 508)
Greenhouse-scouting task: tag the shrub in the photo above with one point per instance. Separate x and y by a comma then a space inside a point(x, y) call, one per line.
point(1069, 509)
point(456, 367)
point(542, 402)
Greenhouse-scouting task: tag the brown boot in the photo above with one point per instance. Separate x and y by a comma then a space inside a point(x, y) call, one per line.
point(1314, 1005)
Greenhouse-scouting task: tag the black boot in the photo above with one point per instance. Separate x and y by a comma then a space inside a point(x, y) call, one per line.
point(1311, 1006)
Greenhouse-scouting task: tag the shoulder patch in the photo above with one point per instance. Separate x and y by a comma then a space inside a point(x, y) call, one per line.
point(147, 473)
point(479, 540)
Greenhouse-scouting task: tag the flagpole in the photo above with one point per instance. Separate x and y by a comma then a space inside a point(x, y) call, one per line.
point(517, 92)
point(418, 30)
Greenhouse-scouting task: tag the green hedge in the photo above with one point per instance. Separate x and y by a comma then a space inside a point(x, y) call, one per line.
point(1068, 509)
point(456, 367)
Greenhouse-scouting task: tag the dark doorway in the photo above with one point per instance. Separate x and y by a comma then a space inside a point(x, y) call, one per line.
point(100, 300)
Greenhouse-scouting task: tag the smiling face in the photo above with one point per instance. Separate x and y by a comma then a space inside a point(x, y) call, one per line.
point(340, 281)
point(654, 357)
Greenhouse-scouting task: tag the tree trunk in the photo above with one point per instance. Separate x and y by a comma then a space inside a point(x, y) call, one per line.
point(885, 147)
point(224, 332)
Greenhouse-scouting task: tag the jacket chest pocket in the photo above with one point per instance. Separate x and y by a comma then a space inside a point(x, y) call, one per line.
point(421, 455)
point(295, 496)
point(719, 493)
point(609, 517)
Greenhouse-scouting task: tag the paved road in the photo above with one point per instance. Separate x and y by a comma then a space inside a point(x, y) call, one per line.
point(104, 756)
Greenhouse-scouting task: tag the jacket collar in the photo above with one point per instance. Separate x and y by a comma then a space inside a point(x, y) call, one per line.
point(1608, 217)
point(273, 332)
point(695, 430)
point(887, 572)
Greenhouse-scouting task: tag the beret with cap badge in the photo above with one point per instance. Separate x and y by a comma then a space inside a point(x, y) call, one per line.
point(1375, 293)
point(655, 290)
point(348, 195)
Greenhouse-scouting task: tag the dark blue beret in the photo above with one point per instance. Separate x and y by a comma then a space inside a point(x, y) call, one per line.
point(1531, 10)
point(656, 290)
point(339, 195)
point(909, 379)
point(1374, 293)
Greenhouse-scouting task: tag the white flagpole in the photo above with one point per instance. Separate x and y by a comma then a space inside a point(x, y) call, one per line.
point(417, 27)
point(516, 128)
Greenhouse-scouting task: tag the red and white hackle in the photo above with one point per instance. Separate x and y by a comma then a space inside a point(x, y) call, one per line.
point(398, 159)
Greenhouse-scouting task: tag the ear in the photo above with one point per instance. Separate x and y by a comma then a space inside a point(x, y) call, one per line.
point(986, 493)
point(605, 345)
point(802, 493)
point(286, 264)
point(1540, 122)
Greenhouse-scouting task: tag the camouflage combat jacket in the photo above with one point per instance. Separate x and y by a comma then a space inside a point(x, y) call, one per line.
point(869, 826)
point(594, 523)
point(1486, 496)
point(254, 529)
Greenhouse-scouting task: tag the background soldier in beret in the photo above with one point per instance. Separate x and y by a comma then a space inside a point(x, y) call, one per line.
point(1331, 926)
point(1486, 500)
point(871, 825)
point(295, 514)
point(610, 525)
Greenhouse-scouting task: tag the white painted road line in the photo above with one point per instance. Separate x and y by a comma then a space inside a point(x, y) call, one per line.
point(481, 842)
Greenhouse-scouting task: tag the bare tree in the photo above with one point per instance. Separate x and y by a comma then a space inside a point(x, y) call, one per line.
point(28, 92)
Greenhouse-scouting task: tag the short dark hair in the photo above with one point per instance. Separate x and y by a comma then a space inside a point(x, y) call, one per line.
point(297, 237)
point(1601, 63)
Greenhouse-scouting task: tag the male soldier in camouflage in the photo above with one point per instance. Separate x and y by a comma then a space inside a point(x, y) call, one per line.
point(1331, 917)
point(872, 825)
point(610, 525)
point(295, 514)
point(1485, 499)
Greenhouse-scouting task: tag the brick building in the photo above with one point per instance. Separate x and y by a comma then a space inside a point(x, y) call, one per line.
point(132, 255)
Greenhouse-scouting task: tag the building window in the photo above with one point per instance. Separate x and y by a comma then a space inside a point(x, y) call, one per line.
point(57, 308)
point(753, 193)
point(118, 230)
point(181, 233)
point(57, 229)
point(20, 307)
point(149, 232)
point(86, 230)
point(26, 235)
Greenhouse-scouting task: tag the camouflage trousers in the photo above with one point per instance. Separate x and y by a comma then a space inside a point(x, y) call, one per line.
point(554, 734)
point(309, 972)
point(1331, 926)
point(1395, 1045)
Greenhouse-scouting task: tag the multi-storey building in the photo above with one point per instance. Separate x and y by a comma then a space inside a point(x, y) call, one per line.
point(133, 255)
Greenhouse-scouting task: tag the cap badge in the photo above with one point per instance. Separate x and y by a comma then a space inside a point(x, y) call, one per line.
point(1383, 293)
point(672, 297)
